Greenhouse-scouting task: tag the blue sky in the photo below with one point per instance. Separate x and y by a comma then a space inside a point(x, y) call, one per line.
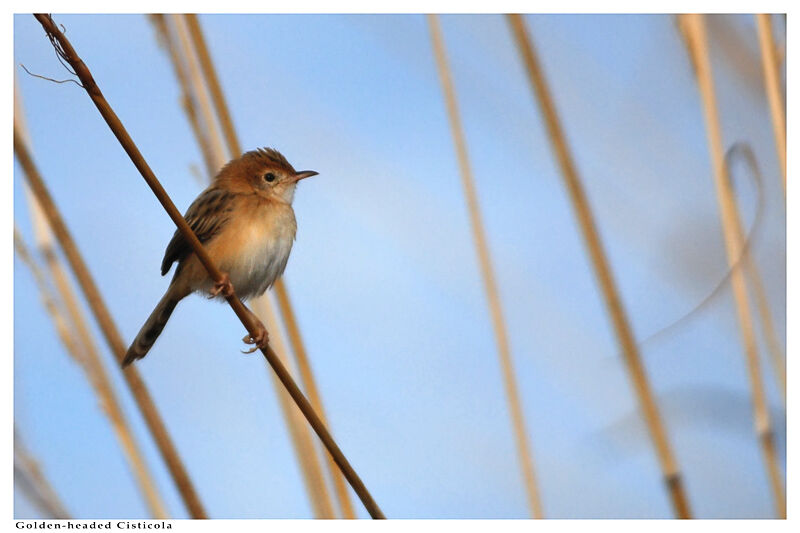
point(383, 274)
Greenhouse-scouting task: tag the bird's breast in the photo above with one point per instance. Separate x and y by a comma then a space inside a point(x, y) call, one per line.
point(261, 241)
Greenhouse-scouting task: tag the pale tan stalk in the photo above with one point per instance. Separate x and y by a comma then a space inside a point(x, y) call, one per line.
point(93, 297)
point(187, 101)
point(206, 120)
point(487, 272)
point(772, 84)
point(89, 360)
point(85, 350)
point(39, 488)
point(777, 356)
point(616, 312)
point(48, 299)
point(304, 448)
point(734, 239)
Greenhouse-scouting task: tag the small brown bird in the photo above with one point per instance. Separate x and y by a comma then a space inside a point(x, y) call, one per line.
point(246, 223)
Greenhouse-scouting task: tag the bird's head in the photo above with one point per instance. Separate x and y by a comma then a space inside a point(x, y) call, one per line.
point(266, 172)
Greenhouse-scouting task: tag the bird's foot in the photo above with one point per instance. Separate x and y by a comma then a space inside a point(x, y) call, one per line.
point(223, 287)
point(260, 340)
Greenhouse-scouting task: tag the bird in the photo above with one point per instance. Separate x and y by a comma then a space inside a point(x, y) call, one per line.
point(246, 223)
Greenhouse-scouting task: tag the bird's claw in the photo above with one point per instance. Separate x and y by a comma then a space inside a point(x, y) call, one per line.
point(260, 341)
point(224, 287)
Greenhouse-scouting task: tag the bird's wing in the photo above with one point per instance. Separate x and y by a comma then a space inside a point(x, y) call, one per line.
point(206, 216)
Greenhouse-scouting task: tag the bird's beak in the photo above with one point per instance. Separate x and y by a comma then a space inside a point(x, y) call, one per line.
point(303, 174)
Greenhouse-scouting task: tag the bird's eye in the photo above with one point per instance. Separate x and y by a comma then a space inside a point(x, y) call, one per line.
point(269, 176)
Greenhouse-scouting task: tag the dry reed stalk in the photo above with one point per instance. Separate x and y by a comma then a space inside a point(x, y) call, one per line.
point(772, 84)
point(304, 448)
point(187, 102)
point(298, 430)
point(307, 377)
point(777, 356)
point(101, 381)
point(48, 299)
point(66, 52)
point(213, 85)
point(487, 272)
point(733, 234)
point(281, 293)
point(207, 122)
point(93, 297)
point(580, 203)
point(89, 361)
point(40, 490)
point(86, 349)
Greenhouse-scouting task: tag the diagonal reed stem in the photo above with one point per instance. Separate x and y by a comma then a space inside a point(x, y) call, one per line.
point(772, 84)
point(85, 350)
point(200, 97)
point(733, 235)
point(48, 299)
point(282, 294)
point(299, 432)
point(67, 53)
point(777, 357)
point(28, 472)
point(307, 376)
point(92, 294)
point(487, 272)
point(165, 37)
point(304, 448)
point(630, 351)
point(88, 359)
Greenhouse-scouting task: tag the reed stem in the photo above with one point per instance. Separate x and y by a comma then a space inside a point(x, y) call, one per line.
point(772, 84)
point(96, 303)
point(187, 102)
point(487, 272)
point(199, 94)
point(85, 350)
point(304, 448)
point(31, 477)
point(580, 203)
point(733, 236)
point(88, 359)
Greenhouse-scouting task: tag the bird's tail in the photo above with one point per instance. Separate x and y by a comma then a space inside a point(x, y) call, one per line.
point(152, 328)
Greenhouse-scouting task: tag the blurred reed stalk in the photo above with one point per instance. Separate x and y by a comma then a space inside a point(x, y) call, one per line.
point(299, 432)
point(67, 53)
point(281, 293)
point(484, 259)
point(48, 299)
point(772, 84)
point(199, 94)
point(90, 363)
point(96, 303)
point(775, 350)
point(165, 38)
point(777, 356)
point(630, 350)
point(304, 448)
point(83, 349)
point(733, 234)
point(33, 481)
